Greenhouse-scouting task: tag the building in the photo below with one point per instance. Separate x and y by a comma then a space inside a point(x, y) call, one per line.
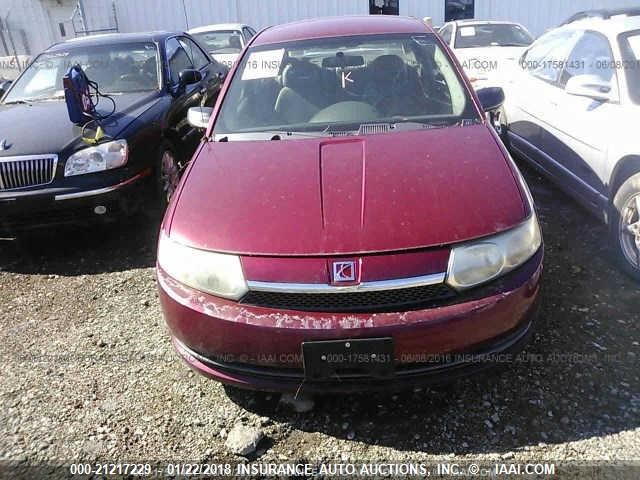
point(29, 26)
point(536, 15)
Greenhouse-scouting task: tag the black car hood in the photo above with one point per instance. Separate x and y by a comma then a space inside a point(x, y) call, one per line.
point(44, 127)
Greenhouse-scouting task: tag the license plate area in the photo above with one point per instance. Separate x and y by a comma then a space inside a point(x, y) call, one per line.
point(341, 359)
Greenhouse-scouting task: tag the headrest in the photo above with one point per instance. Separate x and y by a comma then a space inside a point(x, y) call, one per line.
point(388, 62)
point(235, 42)
point(298, 72)
point(341, 61)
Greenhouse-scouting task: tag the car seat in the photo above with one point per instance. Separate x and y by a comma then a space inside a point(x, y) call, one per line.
point(150, 72)
point(235, 42)
point(302, 93)
point(387, 80)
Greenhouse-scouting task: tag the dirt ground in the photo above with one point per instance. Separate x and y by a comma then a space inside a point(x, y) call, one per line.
point(88, 373)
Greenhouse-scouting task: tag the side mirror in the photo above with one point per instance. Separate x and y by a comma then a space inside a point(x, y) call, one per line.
point(590, 86)
point(491, 98)
point(198, 117)
point(189, 77)
point(4, 86)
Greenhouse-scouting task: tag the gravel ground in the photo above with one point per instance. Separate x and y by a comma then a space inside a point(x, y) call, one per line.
point(88, 372)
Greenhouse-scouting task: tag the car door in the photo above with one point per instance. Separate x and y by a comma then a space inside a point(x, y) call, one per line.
point(184, 54)
point(582, 124)
point(446, 33)
point(532, 93)
point(213, 73)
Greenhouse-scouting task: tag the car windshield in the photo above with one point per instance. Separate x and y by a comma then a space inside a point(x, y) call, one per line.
point(116, 68)
point(221, 41)
point(341, 83)
point(492, 35)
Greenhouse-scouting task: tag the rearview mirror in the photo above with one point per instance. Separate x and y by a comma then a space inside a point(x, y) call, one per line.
point(491, 98)
point(198, 117)
point(189, 77)
point(4, 86)
point(590, 86)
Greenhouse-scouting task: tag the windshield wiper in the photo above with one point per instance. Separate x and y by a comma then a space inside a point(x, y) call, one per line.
point(400, 126)
point(33, 100)
point(404, 126)
point(267, 135)
point(337, 131)
point(279, 134)
point(47, 99)
point(17, 102)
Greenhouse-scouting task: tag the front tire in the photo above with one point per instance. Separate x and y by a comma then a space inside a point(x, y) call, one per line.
point(167, 175)
point(625, 225)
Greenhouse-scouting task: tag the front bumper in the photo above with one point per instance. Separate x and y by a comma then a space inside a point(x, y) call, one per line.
point(260, 348)
point(42, 207)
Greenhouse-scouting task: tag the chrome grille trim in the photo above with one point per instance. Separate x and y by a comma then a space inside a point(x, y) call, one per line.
point(376, 286)
point(27, 171)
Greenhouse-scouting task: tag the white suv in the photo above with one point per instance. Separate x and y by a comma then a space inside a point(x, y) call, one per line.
point(573, 110)
point(224, 41)
point(487, 50)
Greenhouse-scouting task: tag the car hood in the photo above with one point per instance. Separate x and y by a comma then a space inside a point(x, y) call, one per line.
point(44, 127)
point(481, 59)
point(339, 196)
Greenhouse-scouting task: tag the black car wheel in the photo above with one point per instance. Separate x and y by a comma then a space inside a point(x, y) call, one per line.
point(625, 225)
point(169, 175)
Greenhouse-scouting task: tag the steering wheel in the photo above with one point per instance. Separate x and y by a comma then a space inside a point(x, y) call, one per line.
point(440, 95)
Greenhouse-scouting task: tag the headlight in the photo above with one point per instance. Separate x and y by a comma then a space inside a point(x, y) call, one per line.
point(97, 159)
point(215, 273)
point(478, 262)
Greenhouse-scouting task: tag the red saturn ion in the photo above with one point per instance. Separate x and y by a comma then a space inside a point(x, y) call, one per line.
point(350, 219)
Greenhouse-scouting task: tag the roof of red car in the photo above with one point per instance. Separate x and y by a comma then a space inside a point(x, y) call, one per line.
point(340, 26)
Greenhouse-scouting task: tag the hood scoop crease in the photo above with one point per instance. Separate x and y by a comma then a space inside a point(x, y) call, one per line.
point(342, 186)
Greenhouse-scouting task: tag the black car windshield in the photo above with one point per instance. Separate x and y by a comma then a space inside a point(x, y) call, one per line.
point(221, 41)
point(331, 83)
point(492, 35)
point(117, 68)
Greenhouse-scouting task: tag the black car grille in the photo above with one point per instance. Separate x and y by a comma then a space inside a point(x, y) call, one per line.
point(28, 171)
point(405, 299)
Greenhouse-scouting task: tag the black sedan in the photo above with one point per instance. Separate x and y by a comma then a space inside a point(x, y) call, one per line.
point(50, 173)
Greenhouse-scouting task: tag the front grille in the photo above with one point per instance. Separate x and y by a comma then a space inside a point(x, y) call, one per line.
point(405, 299)
point(27, 171)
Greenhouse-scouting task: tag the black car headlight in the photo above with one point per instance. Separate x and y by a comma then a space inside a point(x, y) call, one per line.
point(97, 159)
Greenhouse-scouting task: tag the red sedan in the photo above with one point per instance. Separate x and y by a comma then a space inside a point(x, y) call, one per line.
point(350, 220)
